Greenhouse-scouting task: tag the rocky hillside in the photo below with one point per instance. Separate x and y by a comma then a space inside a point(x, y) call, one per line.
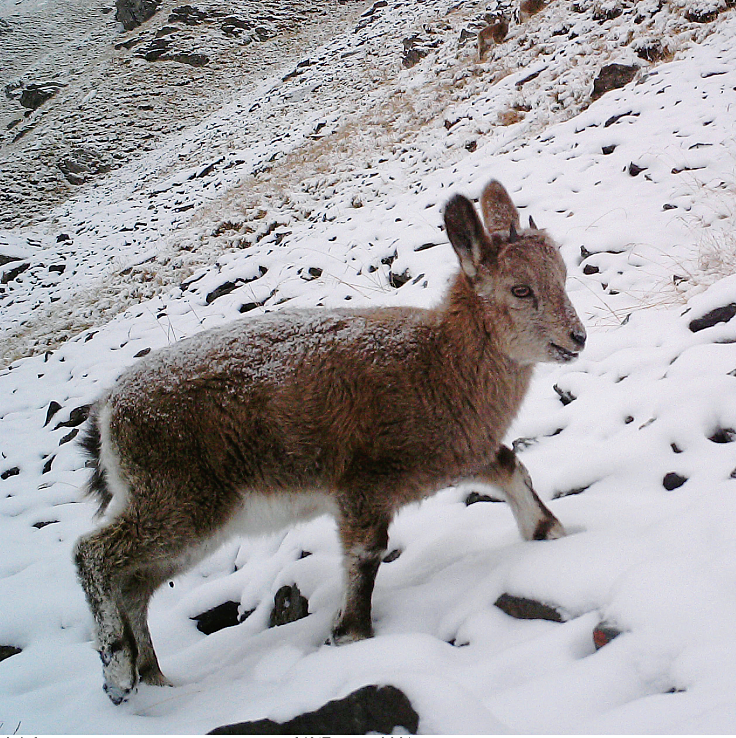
point(138, 166)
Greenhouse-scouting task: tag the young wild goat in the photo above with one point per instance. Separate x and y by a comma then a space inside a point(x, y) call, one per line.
point(283, 417)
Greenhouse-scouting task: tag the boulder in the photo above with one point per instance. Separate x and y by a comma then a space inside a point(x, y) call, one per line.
point(289, 605)
point(526, 609)
point(132, 13)
point(613, 76)
point(370, 709)
point(34, 95)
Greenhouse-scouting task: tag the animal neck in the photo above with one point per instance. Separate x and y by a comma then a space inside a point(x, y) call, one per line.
point(474, 341)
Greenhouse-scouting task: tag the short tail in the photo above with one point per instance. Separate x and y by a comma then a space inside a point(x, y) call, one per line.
point(91, 443)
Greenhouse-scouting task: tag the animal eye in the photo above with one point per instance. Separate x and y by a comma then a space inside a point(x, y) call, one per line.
point(522, 291)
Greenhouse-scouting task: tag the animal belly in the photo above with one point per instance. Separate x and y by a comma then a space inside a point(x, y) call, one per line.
point(265, 513)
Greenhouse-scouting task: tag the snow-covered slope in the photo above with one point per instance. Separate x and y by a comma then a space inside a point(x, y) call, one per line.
point(340, 200)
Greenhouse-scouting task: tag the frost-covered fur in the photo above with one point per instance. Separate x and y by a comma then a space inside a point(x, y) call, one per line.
point(285, 416)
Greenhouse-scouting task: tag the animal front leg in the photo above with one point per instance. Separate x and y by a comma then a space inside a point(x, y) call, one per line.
point(363, 548)
point(113, 634)
point(536, 522)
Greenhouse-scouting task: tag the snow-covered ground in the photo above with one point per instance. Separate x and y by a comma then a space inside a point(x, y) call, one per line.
point(349, 210)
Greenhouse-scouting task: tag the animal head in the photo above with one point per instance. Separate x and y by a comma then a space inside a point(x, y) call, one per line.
point(518, 277)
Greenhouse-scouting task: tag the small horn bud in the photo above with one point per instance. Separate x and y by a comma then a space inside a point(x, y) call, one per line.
point(532, 224)
point(513, 235)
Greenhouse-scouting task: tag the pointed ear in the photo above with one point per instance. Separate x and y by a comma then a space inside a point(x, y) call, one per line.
point(499, 213)
point(532, 224)
point(466, 233)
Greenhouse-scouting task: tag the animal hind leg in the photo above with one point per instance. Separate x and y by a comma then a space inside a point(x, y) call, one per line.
point(536, 522)
point(363, 548)
point(136, 593)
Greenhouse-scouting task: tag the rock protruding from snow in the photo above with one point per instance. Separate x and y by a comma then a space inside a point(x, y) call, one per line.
point(613, 76)
point(7, 651)
point(717, 315)
point(604, 633)
point(132, 13)
point(224, 615)
point(523, 608)
point(289, 605)
point(370, 709)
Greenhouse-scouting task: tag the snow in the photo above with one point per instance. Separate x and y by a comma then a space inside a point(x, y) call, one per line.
point(356, 207)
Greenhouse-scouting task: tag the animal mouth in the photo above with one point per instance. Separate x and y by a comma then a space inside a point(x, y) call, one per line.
point(563, 354)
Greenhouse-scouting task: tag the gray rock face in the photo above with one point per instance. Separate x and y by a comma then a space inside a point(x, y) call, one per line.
point(81, 164)
point(132, 13)
point(371, 709)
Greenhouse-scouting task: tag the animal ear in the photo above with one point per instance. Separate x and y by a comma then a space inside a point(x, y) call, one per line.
point(532, 224)
point(499, 213)
point(466, 233)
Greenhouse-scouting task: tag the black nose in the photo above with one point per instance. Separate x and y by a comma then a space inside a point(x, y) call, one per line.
point(578, 337)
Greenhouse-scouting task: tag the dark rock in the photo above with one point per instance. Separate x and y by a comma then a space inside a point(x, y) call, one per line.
point(616, 118)
point(8, 259)
point(53, 408)
point(723, 435)
point(76, 417)
point(415, 49)
point(289, 605)
point(521, 444)
point(611, 77)
point(673, 480)
point(234, 26)
point(69, 436)
point(650, 50)
point(718, 315)
point(141, 353)
point(570, 492)
point(392, 555)
point(224, 289)
point(57, 268)
point(12, 472)
point(591, 269)
point(635, 170)
point(188, 15)
point(702, 13)
point(227, 287)
point(131, 13)
point(399, 280)
point(370, 709)
point(44, 523)
point(526, 609)
point(34, 95)
point(222, 616)
point(607, 12)
point(566, 397)
point(7, 651)
point(604, 633)
point(14, 272)
point(609, 149)
point(474, 497)
point(47, 466)
point(248, 306)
